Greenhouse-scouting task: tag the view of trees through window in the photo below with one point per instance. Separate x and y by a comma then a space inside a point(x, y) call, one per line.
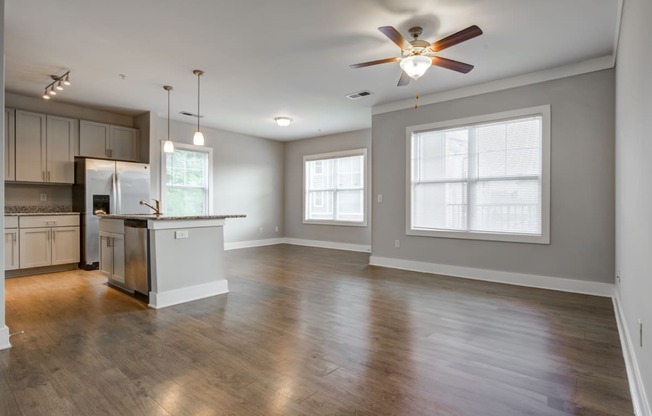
point(186, 182)
point(335, 189)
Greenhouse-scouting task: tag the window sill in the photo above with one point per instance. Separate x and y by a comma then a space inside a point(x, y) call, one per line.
point(338, 223)
point(482, 236)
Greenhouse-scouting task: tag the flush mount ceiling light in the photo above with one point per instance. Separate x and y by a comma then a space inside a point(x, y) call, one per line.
point(283, 121)
point(168, 146)
point(198, 138)
point(57, 84)
point(415, 65)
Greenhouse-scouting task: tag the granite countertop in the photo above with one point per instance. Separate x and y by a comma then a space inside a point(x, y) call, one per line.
point(169, 217)
point(32, 214)
point(39, 210)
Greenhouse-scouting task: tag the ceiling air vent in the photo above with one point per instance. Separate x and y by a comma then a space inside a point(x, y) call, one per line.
point(189, 114)
point(359, 94)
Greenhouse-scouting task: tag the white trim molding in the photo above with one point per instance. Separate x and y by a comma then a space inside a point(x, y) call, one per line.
point(334, 245)
point(497, 276)
point(363, 248)
point(639, 398)
point(592, 65)
point(187, 294)
point(4, 338)
point(253, 243)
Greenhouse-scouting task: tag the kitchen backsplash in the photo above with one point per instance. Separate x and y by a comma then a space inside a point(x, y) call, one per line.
point(15, 209)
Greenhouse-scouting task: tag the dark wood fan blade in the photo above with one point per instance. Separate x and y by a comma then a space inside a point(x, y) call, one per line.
point(395, 37)
point(404, 80)
point(451, 64)
point(380, 61)
point(459, 37)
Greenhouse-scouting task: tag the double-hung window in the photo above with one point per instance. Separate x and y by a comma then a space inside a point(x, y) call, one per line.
point(334, 188)
point(186, 176)
point(483, 177)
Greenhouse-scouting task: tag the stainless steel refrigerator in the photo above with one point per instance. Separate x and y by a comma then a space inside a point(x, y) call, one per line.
point(106, 187)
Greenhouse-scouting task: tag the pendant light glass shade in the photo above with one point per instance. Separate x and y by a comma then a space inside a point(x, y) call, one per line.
point(198, 138)
point(415, 65)
point(168, 146)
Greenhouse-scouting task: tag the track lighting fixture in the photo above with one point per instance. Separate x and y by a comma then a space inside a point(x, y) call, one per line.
point(57, 84)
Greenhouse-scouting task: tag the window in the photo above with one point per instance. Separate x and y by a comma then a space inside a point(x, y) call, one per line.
point(334, 188)
point(483, 178)
point(186, 176)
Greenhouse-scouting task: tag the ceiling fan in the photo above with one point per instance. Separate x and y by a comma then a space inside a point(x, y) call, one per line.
point(418, 55)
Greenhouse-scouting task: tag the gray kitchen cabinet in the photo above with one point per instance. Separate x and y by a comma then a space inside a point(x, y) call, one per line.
point(106, 141)
point(11, 243)
point(48, 240)
point(44, 148)
point(10, 144)
point(112, 250)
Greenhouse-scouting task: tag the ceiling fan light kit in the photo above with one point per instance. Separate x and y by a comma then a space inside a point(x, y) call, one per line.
point(415, 65)
point(418, 55)
point(57, 84)
point(282, 121)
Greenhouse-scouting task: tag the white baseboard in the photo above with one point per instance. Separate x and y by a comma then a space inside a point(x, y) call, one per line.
point(329, 244)
point(187, 294)
point(298, 242)
point(253, 243)
point(4, 338)
point(639, 397)
point(519, 279)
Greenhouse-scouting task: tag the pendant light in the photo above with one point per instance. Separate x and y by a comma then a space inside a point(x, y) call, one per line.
point(198, 138)
point(168, 146)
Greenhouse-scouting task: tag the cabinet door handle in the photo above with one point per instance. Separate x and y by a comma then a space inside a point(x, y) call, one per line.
point(54, 235)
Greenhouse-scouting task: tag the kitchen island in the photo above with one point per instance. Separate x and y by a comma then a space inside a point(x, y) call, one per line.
point(170, 259)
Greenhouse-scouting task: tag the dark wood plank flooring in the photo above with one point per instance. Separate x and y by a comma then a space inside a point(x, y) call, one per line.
point(307, 331)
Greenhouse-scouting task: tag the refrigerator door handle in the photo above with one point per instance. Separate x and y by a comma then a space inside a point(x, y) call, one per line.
point(114, 194)
point(118, 195)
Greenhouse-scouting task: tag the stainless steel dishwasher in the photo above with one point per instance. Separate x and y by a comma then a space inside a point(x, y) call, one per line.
point(136, 256)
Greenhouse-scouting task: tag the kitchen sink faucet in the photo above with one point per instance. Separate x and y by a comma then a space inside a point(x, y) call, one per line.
point(157, 208)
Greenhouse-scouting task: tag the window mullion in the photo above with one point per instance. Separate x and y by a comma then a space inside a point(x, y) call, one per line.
point(472, 177)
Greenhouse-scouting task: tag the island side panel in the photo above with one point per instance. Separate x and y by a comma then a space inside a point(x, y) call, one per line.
point(185, 269)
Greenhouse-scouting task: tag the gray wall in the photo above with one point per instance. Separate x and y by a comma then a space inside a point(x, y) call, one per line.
point(634, 178)
point(582, 182)
point(247, 178)
point(294, 153)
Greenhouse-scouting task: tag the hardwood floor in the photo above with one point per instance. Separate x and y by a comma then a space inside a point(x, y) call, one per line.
point(307, 331)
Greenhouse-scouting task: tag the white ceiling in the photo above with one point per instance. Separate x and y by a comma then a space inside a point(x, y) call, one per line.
point(283, 57)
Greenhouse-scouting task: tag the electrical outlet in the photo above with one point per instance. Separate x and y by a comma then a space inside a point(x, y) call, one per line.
point(640, 333)
point(260, 230)
point(44, 197)
point(618, 276)
point(181, 234)
point(380, 198)
point(397, 243)
point(276, 229)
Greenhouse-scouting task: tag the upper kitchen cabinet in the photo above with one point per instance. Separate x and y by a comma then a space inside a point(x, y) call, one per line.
point(10, 143)
point(44, 148)
point(108, 142)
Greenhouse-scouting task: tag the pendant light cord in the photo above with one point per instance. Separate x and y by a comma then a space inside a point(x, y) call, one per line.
point(198, 92)
point(168, 115)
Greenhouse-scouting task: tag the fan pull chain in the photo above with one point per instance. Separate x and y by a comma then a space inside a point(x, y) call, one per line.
point(416, 104)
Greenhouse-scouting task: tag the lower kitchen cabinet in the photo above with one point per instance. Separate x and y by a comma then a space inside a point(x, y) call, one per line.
point(12, 258)
point(112, 257)
point(48, 240)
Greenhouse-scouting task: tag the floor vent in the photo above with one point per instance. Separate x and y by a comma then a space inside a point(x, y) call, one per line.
point(359, 94)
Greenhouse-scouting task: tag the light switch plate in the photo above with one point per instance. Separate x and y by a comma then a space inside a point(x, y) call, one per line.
point(181, 234)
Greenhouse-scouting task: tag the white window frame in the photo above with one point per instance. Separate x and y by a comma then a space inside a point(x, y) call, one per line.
point(365, 190)
point(209, 183)
point(544, 237)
